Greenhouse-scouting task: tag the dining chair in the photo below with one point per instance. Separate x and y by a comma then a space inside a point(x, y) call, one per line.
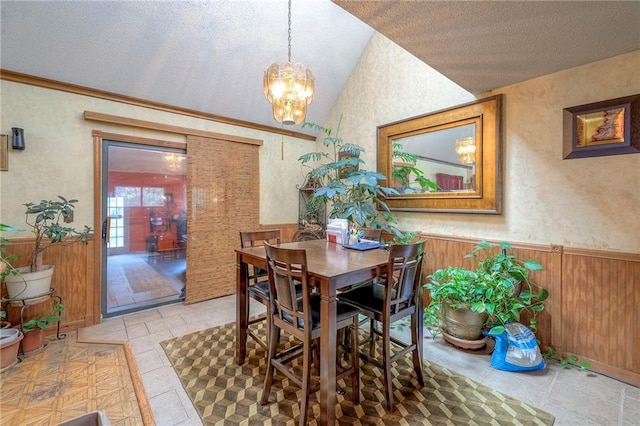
point(395, 295)
point(258, 281)
point(373, 234)
point(298, 314)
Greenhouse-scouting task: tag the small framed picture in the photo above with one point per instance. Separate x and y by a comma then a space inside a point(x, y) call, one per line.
point(602, 128)
point(4, 153)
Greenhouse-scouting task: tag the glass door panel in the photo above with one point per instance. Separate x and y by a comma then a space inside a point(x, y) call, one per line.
point(144, 199)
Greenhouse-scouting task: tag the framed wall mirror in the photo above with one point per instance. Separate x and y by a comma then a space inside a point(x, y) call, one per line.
point(458, 150)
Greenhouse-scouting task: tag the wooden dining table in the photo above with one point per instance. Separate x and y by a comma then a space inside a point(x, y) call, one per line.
point(331, 267)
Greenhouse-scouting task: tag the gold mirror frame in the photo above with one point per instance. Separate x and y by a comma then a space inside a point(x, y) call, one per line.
point(485, 194)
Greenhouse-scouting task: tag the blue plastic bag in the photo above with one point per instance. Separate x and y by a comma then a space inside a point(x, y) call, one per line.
point(516, 350)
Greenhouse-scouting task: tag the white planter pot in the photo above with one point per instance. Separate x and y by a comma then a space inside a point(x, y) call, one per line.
point(8, 335)
point(29, 288)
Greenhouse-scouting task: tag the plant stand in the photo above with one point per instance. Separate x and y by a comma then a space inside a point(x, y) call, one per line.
point(24, 303)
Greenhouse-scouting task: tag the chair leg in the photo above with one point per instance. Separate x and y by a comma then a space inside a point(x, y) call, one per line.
point(274, 337)
point(355, 360)
point(306, 382)
point(417, 351)
point(386, 363)
point(372, 336)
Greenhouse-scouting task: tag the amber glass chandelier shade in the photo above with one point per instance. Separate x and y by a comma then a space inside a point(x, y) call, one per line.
point(289, 87)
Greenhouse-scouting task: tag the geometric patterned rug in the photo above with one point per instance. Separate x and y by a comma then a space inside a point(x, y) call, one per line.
point(225, 393)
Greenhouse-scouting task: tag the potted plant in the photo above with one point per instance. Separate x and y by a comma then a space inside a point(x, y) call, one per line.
point(464, 303)
point(6, 269)
point(46, 220)
point(354, 193)
point(33, 329)
point(407, 177)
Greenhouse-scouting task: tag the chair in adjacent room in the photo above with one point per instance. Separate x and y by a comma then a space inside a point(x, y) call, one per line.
point(258, 285)
point(298, 314)
point(395, 295)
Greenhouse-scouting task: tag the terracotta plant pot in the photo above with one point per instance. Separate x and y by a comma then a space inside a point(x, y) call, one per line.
point(33, 341)
point(9, 345)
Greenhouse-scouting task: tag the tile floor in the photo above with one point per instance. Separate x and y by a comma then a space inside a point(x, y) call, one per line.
point(574, 397)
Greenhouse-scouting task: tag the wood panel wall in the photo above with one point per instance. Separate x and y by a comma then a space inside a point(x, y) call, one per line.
point(601, 307)
point(72, 279)
point(592, 310)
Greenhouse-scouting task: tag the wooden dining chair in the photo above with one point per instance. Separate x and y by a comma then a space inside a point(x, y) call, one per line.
point(395, 295)
point(298, 314)
point(258, 281)
point(373, 234)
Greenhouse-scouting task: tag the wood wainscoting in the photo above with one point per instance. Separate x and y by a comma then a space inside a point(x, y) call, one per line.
point(601, 311)
point(592, 310)
point(72, 279)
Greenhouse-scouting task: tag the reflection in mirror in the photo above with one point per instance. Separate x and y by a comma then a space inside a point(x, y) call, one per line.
point(446, 161)
point(446, 157)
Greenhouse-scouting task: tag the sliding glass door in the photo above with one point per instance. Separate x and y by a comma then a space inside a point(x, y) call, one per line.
point(144, 226)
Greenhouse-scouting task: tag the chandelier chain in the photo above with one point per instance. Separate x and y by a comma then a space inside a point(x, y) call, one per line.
point(289, 30)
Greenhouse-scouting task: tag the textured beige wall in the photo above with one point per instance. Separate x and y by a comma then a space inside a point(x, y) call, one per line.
point(588, 203)
point(58, 159)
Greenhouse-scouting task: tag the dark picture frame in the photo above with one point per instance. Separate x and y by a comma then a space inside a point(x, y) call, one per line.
point(609, 127)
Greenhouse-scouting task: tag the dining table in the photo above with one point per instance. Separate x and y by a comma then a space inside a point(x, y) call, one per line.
point(331, 267)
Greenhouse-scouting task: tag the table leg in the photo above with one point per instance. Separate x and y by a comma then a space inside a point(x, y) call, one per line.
point(241, 310)
point(328, 359)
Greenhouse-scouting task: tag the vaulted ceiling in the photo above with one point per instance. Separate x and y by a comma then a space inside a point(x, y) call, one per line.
point(210, 56)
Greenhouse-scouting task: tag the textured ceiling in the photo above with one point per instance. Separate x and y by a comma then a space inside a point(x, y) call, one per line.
point(483, 45)
point(207, 56)
point(210, 55)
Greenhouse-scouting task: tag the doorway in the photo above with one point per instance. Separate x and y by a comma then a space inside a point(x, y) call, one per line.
point(144, 216)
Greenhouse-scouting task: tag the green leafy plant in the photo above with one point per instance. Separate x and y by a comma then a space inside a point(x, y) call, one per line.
point(572, 362)
point(405, 173)
point(500, 287)
point(6, 261)
point(42, 322)
point(354, 193)
point(46, 220)
point(512, 290)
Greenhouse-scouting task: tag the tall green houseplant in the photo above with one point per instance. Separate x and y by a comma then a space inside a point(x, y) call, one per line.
point(354, 193)
point(46, 220)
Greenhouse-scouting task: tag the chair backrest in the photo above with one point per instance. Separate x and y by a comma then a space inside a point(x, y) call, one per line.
point(372, 234)
point(287, 269)
point(257, 238)
point(403, 288)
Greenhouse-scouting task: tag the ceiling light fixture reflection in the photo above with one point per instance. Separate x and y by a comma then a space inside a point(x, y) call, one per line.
point(173, 162)
point(289, 88)
point(466, 149)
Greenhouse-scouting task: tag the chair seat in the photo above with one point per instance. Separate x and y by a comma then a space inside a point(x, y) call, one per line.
point(369, 297)
point(344, 311)
point(261, 289)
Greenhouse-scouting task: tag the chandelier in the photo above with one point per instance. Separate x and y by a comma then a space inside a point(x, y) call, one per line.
point(466, 149)
point(289, 88)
